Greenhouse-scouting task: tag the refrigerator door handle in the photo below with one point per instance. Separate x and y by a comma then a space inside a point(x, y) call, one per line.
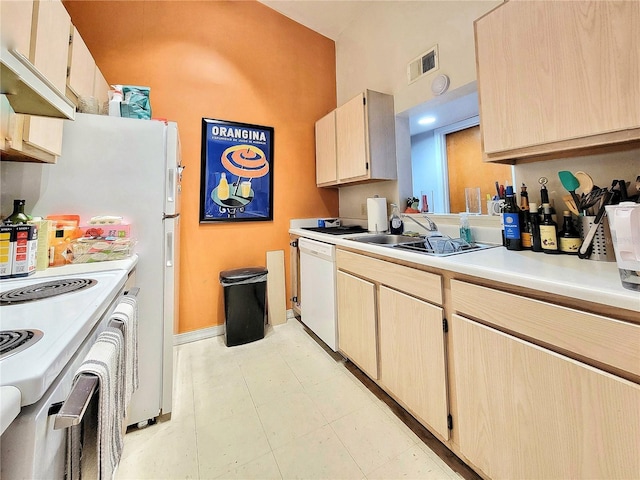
point(169, 250)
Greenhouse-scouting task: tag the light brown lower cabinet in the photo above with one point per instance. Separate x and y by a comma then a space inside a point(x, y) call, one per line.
point(357, 333)
point(527, 412)
point(412, 356)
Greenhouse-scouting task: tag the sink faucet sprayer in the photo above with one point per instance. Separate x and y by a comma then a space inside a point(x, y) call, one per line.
point(432, 227)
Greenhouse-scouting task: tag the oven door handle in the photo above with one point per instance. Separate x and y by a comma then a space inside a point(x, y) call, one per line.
point(77, 402)
point(132, 292)
point(82, 391)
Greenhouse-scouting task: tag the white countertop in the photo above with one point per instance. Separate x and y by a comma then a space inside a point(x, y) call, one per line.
point(71, 269)
point(565, 275)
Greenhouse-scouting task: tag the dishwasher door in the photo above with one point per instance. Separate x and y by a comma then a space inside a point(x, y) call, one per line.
point(318, 290)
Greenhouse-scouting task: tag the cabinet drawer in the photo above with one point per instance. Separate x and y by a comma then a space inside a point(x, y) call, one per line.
point(605, 340)
point(412, 281)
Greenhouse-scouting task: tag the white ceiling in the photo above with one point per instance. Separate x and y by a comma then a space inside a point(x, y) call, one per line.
point(326, 17)
point(331, 17)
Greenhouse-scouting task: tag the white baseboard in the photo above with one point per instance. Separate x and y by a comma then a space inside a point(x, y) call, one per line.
point(196, 335)
point(203, 333)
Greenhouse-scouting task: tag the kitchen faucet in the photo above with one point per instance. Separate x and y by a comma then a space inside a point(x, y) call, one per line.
point(432, 227)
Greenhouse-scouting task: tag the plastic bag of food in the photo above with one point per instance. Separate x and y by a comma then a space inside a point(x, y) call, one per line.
point(135, 102)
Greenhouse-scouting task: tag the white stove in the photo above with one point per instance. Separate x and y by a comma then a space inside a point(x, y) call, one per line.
point(36, 380)
point(65, 320)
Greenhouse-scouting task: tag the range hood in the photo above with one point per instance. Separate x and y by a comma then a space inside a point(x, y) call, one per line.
point(28, 91)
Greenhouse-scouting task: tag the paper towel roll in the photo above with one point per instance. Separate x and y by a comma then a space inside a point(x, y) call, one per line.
point(377, 214)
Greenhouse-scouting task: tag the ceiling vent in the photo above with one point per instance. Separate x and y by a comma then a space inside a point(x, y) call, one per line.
point(424, 63)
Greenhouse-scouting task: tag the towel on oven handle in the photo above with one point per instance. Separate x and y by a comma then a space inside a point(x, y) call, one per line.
point(126, 312)
point(105, 360)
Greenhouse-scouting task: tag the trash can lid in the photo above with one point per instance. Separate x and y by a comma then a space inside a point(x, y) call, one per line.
point(240, 274)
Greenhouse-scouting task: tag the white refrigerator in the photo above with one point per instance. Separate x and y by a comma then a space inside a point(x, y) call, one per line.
point(129, 168)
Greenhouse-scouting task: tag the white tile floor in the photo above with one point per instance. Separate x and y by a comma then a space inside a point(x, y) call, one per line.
point(279, 408)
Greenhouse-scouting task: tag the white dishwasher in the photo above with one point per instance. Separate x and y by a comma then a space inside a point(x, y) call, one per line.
point(318, 290)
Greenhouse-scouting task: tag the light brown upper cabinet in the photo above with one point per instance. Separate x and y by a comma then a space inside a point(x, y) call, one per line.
point(365, 143)
point(101, 89)
point(15, 26)
point(82, 68)
point(42, 32)
point(326, 159)
point(85, 78)
point(34, 137)
point(558, 77)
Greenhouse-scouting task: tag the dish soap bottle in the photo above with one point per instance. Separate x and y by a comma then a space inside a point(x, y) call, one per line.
point(465, 229)
point(396, 226)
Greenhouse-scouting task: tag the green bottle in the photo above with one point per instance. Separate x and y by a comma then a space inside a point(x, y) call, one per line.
point(18, 215)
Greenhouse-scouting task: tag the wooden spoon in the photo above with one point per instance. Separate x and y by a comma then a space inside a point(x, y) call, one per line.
point(586, 183)
point(571, 205)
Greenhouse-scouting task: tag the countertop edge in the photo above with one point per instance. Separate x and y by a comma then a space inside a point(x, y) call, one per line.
point(563, 275)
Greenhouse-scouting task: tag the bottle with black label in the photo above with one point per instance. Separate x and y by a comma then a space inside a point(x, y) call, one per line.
point(18, 216)
point(534, 227)
point(512, 218)
point(548, 231)
point(396, 225)
point(569, 237)
point(544, 198)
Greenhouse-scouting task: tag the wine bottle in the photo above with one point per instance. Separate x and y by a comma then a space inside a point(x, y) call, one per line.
point(512, 217)
point(18, 215)
point(548, 231)
point(524, 198)
point(534, 221)
point(569, 238)
point(525, 235)
point(544, 198)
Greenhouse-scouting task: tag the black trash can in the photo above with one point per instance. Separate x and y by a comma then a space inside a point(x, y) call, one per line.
point(245, 293)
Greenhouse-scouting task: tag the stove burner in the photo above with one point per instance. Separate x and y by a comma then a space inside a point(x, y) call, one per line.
point(40, 291)
point(13, 341)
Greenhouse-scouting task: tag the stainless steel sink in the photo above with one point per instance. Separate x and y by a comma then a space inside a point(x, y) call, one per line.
point(442, 249)
point(435, 245)
point(386, 239)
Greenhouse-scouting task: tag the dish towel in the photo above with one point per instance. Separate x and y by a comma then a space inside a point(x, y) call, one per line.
point(105, 360)
point(127, 313)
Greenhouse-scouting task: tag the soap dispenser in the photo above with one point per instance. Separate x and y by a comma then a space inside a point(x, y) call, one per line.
point(396, 226)
point(465, 229)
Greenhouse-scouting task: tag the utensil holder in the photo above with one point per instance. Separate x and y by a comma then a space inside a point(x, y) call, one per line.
point(602, 245)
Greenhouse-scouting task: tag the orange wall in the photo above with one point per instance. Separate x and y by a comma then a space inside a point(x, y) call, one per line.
point(467, 169)
point(229, 60)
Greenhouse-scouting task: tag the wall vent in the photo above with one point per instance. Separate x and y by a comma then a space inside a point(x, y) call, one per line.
point(424, 63)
